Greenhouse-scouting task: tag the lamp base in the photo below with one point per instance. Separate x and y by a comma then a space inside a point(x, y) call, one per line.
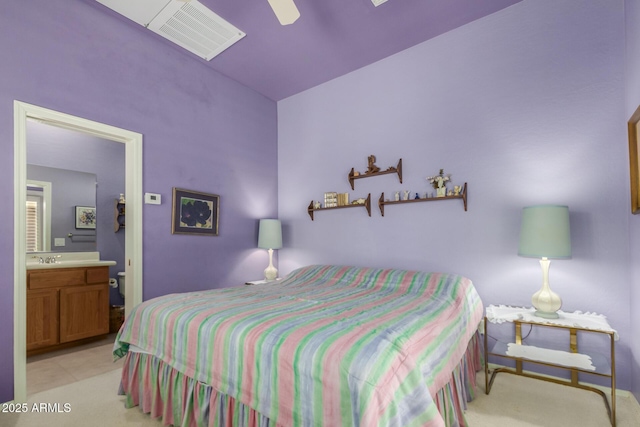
point(546, 314)
point(545, 300)
point(270, 273)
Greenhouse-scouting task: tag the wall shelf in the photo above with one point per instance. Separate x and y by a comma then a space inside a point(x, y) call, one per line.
point(118, 213)
point(397, 169)
point(366, 204)
point(462, 195)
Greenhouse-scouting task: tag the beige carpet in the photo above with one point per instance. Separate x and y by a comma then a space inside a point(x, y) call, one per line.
point(523, 402)
point(513, 402)
point(92, 402)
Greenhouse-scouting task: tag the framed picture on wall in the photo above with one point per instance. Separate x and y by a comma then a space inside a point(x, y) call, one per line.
point(85, 217)
point(194, 213)
point(634, 136)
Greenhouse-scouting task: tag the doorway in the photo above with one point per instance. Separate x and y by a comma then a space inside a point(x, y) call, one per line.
point(133, 232)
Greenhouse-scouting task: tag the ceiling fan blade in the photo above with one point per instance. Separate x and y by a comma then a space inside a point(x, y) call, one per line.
point(285, 10)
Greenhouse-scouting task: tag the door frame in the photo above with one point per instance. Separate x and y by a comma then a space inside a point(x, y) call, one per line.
point(133, 232)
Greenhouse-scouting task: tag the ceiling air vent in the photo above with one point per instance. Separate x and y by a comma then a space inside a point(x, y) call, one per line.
point(189, 24)
point(195, 28)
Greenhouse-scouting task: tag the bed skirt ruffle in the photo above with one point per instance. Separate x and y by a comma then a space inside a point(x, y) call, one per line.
point(163, 392)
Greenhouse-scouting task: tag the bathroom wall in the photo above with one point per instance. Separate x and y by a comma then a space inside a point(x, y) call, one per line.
point(64, 149)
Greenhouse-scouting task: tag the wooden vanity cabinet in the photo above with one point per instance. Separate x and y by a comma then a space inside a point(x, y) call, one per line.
point(66, 305)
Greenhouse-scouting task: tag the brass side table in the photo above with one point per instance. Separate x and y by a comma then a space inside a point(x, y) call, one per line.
point(572, 360)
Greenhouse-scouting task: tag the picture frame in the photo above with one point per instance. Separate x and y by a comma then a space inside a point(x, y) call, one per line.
point(85, 217)
point(194, 212)
point(634, 161)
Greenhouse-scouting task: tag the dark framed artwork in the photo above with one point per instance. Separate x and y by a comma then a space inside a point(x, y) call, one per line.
point(86, 217)
point(634, 136)
point(194, 212)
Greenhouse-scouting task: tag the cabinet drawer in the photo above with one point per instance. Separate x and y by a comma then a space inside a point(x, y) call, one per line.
point(55, 278)
point(98, 275)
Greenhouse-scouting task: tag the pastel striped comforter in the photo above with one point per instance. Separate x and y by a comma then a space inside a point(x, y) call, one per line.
point(326, 346)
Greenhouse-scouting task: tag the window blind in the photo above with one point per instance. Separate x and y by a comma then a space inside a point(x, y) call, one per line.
point(32, 226)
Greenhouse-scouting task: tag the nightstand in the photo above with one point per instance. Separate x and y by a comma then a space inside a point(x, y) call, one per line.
point(261, 282)
point(593, 363)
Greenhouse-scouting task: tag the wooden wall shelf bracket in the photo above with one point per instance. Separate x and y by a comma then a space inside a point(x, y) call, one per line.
point(462, 195)
point(366, 204)
point(118, 215)
point(397, 169)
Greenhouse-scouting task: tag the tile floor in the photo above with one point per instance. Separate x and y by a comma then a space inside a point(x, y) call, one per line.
point(50, 370)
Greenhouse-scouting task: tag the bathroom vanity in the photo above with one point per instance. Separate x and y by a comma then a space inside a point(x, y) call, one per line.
point(66, 305)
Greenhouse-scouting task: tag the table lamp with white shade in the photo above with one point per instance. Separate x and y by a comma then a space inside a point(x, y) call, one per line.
point(270, 237)
point(545, 234)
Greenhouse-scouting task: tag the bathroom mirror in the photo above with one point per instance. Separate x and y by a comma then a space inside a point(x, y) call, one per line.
point(72, 163)
point(52, 197)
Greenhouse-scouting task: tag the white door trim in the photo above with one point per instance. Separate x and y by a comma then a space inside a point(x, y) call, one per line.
point(133, 231)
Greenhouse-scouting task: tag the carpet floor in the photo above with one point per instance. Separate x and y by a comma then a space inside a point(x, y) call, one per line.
point(513, 402)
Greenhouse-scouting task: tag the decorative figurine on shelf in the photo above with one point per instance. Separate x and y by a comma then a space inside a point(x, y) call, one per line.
point(417, 196)
point(361, 201)
point(439, 183)
point(406, 195)
point(456, 190)
point(372, 165)
point(316, 205)
point(356, 173)
point(397, 196)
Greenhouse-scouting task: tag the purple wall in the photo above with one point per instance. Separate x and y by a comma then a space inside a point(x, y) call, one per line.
point(632, 15)
point(202, 131)
point(527, 106)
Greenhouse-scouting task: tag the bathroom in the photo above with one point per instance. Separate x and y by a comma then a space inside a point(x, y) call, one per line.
point(84, 171)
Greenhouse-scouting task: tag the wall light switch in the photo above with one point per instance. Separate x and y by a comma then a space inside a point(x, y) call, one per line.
point(59, 241)
point(152, 199)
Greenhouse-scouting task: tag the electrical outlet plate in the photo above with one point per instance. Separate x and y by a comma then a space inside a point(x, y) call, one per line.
point(152, 198)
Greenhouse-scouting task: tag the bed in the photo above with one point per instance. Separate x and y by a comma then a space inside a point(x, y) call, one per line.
point(325, 346)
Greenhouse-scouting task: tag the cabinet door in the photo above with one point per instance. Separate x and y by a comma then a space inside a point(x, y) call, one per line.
point(84, 312)
point(42, 318)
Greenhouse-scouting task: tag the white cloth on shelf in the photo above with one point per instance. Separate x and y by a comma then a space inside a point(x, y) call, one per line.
point(556, 357)
point(577, 319)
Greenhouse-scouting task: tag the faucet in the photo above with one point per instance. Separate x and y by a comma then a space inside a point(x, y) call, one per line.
point(51, 259)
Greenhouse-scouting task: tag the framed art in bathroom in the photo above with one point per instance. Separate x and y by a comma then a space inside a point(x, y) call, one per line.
point(194, 212)
point(634, 136)
point(85, 217)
